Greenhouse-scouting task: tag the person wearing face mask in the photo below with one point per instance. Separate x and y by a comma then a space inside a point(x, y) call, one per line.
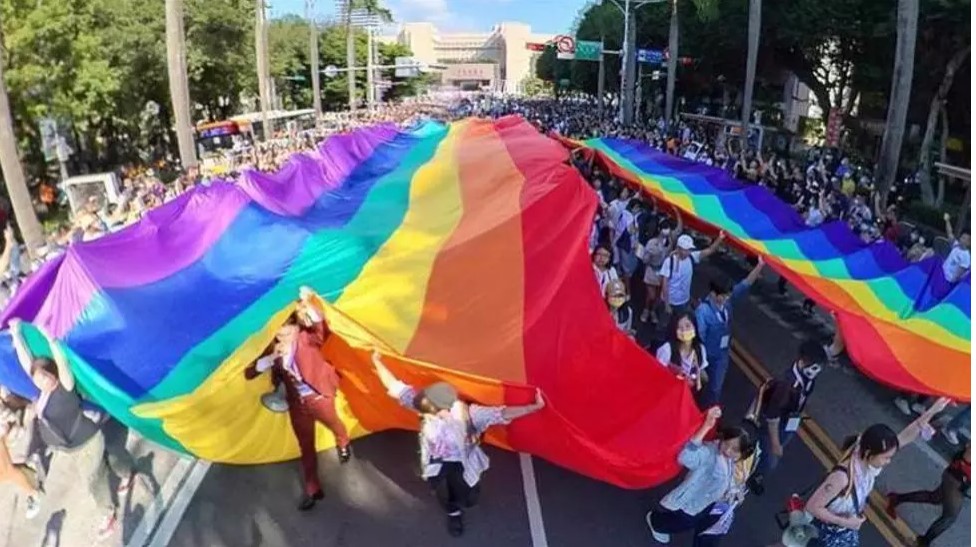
point(311, 384)
point(838, 504)
point(620, 308)
point(451, 458)
point(708, 494)
point(782, 402)
point(683, 353)
point(714, 320)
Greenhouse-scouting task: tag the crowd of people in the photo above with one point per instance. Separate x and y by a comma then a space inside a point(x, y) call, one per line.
point(644, 262)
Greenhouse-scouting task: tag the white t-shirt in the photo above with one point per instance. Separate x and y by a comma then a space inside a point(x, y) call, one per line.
point(687, 365)
point(956, 263)
point(603, 278)
point(679, 280)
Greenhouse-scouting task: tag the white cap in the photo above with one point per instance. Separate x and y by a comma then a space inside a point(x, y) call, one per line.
point(685, 242)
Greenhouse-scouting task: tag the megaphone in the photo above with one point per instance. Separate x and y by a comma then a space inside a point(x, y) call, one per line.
point(800, 530)
point(275, 400)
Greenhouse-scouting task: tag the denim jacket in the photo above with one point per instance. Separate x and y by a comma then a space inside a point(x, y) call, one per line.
point(709, 478)
point(711, 327)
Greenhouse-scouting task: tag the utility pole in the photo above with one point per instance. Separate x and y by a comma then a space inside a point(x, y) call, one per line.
point(178, 87)
point(628, 59)
point(313, 51)
point(370, 84)
point(601, 78)
point(264, 75)
point(672, 65)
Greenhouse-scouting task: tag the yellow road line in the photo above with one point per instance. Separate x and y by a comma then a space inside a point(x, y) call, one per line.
point(895, 531)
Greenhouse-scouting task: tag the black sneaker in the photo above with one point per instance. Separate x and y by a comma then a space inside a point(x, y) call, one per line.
point(455, 525)
point(307, 502)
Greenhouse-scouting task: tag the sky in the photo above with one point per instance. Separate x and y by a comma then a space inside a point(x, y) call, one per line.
point(545, 16)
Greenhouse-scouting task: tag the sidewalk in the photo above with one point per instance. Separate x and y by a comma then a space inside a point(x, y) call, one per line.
point(68, 516)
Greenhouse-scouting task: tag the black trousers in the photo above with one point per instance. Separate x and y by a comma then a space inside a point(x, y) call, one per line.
point(674, 522)
point(452, 492)
point(948, 495)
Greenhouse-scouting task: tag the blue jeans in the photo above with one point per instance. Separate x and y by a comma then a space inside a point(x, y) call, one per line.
point(960, 419)
point(716, 377)
point(767, 460)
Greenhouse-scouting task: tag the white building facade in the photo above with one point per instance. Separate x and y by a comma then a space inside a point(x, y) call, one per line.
point(498, 60)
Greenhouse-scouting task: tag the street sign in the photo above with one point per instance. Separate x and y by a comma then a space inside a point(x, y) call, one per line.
point(406, 67)
point(650, 56)
point(331, 71)
point(49, 137)
point(588, 51)
point(565, 46)
point(532, 46)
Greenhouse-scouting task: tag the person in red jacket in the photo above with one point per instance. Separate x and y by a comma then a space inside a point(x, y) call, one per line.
point(310, 382)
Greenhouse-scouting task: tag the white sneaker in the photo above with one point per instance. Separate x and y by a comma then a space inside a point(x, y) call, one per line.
point(658, 536)
point(951, 436)
point(32, 507)
point(902, 405)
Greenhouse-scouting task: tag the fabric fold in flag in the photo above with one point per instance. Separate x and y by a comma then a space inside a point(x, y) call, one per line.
point(903, 323)
point(459, 250)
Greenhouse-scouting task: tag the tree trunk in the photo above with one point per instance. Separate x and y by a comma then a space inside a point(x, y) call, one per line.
point(943, 143)
point(672, 64)
point(901, 91)
point(350, 56)
point(13, 174)
point(264, 76)
point(179, 90)
point(755, 21)
point(313, 53)
point(938, 100)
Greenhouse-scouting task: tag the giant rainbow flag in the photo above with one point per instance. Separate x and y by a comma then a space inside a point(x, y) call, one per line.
point(458, 250)
point(903, 323)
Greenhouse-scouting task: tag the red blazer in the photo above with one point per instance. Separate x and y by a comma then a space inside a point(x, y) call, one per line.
point(317, 372)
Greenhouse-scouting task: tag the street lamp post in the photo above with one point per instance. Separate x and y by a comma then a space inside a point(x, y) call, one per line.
point(313, 50)
point(627, 58)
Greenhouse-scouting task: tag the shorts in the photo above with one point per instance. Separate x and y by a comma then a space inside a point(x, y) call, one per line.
point(651, 276)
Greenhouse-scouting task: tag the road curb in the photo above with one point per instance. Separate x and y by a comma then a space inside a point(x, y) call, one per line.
point(165, 511)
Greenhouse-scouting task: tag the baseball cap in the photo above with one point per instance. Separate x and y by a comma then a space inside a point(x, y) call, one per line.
point(685, 242)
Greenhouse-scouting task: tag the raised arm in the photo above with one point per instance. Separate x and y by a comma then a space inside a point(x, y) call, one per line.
point(714, 246)
point(315, 314)
point(513, 412)
point(912, 430)
point(950, 233)
point(390, 382)
point(64, 371)
point(756, 271)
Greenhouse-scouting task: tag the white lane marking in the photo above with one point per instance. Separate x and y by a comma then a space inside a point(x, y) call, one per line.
point(157, 507)
point(180, 503)
point(536, 527)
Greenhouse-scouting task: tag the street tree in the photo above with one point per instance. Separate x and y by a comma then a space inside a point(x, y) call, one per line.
point(13, 173)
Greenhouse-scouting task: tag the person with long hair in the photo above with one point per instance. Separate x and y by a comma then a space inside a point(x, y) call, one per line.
point(708, 494)
point(949, 494)
point(69, 429)
point(683, 352)
point(14, 430)
point(838, 504)
point(451, 458)
point(603, 269)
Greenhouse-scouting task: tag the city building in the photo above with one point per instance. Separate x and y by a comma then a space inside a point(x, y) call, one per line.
point(498, 60)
